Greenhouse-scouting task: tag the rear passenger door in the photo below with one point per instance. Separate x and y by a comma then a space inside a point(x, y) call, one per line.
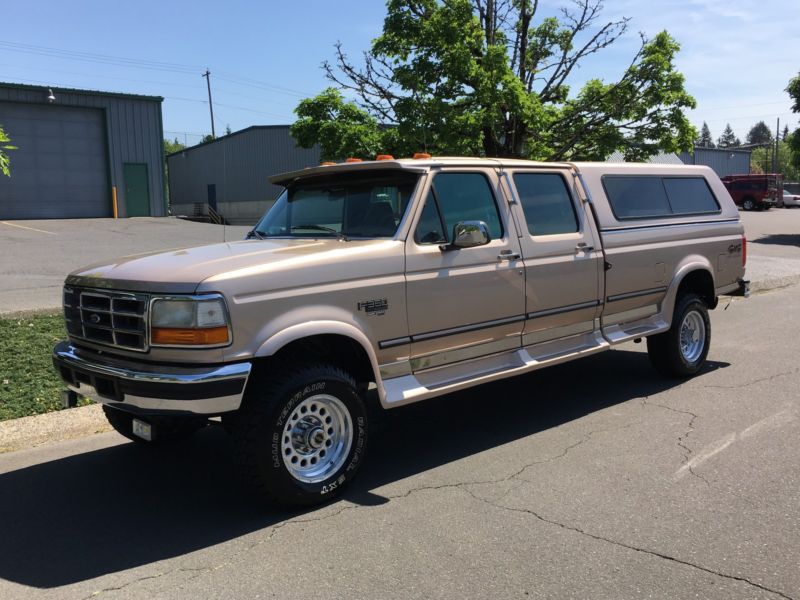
point(563, 260)
point(469, 302)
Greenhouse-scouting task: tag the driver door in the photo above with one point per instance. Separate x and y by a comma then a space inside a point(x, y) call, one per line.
point(468, 302)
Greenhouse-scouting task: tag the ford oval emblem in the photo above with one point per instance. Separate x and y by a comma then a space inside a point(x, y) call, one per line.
point(94, 318)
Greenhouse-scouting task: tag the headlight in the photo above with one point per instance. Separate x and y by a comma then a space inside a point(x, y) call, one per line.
point(190, 321)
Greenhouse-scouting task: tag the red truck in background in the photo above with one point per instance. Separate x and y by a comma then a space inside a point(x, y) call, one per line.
point(755, 192)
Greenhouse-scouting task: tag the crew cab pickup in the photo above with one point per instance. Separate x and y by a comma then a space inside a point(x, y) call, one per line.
point(418, 276)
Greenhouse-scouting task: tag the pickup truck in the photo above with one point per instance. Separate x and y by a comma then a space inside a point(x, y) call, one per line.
point(419, 277)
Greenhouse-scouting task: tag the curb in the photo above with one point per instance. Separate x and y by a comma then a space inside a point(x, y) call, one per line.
point(29, 432)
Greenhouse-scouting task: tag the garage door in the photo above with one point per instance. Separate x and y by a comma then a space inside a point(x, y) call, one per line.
point(60, 168)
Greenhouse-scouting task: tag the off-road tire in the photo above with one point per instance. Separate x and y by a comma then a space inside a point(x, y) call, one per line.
point(166, 430)
point(263, 428)
point(665, 349)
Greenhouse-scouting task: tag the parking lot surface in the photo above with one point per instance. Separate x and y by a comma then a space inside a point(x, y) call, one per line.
point(593, 479)
point(36, 256)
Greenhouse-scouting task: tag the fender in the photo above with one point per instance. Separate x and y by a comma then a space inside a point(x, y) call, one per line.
point(311, 328)
point(691, 263)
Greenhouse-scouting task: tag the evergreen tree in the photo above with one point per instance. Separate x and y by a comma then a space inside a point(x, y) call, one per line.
point(785, 133)
point(705, 140)
point(759, 134)
point(728, 139)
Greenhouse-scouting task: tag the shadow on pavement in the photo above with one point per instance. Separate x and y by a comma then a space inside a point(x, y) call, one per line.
point(779, 239)
point(84, 516)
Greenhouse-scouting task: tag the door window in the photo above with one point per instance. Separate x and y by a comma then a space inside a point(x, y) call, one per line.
point(546, 203)
point(457, 197)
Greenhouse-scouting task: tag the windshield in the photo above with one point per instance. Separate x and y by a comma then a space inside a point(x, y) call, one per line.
point(344, 205)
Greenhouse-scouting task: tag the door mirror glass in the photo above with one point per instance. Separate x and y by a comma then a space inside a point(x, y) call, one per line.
point(468, 234)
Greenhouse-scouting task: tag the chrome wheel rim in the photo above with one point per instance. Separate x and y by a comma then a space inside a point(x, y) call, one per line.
point(693, 336)
point(317, 438)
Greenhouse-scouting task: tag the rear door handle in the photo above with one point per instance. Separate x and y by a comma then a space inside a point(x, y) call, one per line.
point(509, 255)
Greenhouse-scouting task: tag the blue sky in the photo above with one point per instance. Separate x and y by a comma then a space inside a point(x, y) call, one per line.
point(737, 55)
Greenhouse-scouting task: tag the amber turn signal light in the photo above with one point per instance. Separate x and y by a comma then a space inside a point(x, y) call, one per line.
point(209, 336)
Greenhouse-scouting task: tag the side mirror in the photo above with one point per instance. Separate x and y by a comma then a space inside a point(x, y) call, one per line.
point(468, 234)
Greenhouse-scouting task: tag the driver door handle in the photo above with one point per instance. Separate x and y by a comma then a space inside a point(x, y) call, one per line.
point(509, 255)
point(584, 247)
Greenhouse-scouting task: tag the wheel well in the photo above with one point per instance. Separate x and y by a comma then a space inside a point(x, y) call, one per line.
point(338, 350)
point(701, 283)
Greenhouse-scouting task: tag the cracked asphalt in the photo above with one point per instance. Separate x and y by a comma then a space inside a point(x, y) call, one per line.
point(593, 479)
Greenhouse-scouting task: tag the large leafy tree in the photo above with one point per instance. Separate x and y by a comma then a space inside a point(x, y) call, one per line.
point(794, 139)
point(759, 134)
point(492, 77)
point(5, 146)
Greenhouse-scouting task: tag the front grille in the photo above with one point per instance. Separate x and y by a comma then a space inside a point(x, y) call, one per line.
point(107, 317)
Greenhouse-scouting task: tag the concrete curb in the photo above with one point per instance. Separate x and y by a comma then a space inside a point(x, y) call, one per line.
point(27, 432)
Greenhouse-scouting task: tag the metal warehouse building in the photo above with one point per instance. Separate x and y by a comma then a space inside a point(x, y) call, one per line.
point(230, 173)
point(724, 161)
point(81, 153)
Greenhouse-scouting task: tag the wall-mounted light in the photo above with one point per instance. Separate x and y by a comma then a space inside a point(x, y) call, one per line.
point(50, 97)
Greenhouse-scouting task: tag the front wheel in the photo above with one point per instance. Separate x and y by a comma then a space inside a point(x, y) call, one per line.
point(301, 435)
point(682, 351)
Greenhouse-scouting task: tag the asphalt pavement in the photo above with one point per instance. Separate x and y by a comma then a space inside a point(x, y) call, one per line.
point(593, 479)
point(36, 256)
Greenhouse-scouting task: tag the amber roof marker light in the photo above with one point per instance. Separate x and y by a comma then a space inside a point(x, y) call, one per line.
point(384, 157)
point(327, 163)
point(352, 160)
point(420, 155)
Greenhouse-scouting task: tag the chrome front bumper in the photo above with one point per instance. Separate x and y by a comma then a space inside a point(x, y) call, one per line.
point(149, 389)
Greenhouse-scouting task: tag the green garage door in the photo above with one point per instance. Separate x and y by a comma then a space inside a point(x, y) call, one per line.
point(60, 168)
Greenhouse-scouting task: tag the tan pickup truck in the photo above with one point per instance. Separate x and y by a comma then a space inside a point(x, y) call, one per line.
point(421, 277)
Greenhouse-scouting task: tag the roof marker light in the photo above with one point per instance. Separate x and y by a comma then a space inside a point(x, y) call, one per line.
point(327, 163)
point(384, 157)
point(352, 160)
point(421, 155)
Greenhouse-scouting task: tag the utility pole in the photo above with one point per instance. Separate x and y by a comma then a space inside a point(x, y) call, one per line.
point(777, 141)
point(207, 75)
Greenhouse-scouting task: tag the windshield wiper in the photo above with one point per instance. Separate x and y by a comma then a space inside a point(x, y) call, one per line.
point(339, 234)
point(255, 233)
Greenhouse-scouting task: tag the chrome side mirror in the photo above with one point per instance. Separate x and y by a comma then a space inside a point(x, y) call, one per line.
point(468, 234)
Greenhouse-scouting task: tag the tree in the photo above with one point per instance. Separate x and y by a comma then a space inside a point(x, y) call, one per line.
point(728, 139)
point(491, 77)
point(761, 161)
point(5, 146)
point(785, 133)
point(341, 128)
point(705, 140)
point(173, 147)
point(208, 138)
point(794, 139)
point(759, 134)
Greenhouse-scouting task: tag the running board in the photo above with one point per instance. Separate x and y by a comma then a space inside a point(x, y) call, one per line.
point(452, 378)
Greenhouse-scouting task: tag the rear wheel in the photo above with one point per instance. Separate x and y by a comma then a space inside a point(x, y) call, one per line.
point(682, 351)
point(301, 435)
point(748, 204)
point(166, 430)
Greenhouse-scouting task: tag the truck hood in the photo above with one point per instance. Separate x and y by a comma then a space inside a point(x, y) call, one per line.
point(182, 271)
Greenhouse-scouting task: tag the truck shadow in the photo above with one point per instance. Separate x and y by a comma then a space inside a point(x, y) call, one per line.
point(779, 239)
point(104, 511)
